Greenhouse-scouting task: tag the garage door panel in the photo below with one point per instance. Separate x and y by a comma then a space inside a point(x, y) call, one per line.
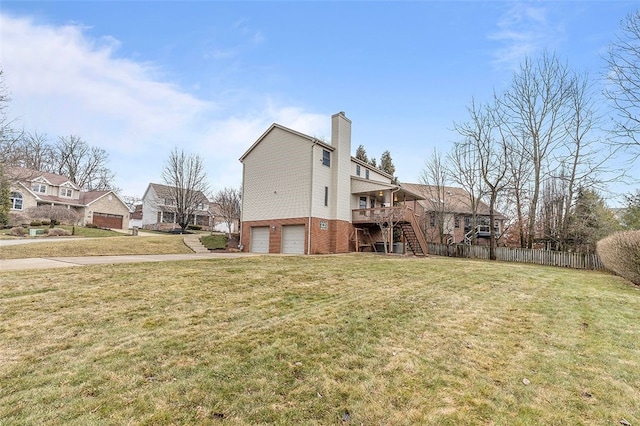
point(107, 220)
point(293, 239)
point(260, 239)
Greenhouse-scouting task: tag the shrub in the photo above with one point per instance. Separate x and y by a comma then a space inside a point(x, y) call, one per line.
point(58, 232)
point(194, 227)
point(91, 225)
point(620, 253)
point(35, 223)
point(46, 222)
point(18, 231)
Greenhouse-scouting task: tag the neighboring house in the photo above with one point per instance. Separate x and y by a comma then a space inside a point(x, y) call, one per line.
point(135, 220)
point(449, 208)
point(303, 195)
point(31, 188)
point(159, 209)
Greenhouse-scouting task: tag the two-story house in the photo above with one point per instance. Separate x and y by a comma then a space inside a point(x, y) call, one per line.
point(446, 212)
point(308, 196)
point(159, 209)
point(32, 188)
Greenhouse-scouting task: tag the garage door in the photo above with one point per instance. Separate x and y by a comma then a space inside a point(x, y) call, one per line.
point(293, 239)
point(260, 239)
point(106, 220)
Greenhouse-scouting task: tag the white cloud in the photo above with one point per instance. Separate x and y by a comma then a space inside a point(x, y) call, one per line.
point(524, 30)
point(62, 82)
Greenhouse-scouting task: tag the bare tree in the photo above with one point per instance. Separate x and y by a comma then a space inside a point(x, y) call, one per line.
point(492, 149)
point(435, 177)
point(131, 201)
point(465, 172)
point(387, 218)
point(9, 136)
point(623, 59)
point(84, 165)
point(37, 153)
point(186, 179)
point(532, 113)
point(228, 202)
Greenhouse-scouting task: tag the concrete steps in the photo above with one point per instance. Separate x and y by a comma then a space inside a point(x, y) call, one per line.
point(193, 242)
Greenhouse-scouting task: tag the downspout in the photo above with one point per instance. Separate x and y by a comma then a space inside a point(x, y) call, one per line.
point(313, 145)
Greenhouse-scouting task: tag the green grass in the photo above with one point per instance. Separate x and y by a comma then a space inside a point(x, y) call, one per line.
point(303, 340)
point(213, 242)
point(122, 245)
point(81, 231)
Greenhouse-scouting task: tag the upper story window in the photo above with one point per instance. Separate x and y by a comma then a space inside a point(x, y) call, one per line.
point(16, 201)
point(357, 169)
point(66, 192)
point(39, 187)
point(169, 202)
point(366, 173)
point(457, 222)
point(326, 158)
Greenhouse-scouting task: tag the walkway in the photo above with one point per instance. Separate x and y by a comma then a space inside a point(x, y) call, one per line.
point(65, 262)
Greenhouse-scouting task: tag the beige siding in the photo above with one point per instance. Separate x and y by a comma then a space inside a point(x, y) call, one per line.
point(28, 200)
point(321, 179)
point(277, 177)
point(341, 167)
point(107, 204)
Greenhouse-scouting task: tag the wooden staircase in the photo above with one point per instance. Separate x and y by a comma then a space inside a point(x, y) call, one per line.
point(413, 235)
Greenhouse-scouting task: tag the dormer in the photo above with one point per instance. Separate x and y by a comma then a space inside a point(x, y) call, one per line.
point(40, 185)
point(67, 190)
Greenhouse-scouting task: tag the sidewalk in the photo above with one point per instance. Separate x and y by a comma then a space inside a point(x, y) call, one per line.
point(65, 262)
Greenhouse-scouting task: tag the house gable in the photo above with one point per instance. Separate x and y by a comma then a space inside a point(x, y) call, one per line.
point(277, 174)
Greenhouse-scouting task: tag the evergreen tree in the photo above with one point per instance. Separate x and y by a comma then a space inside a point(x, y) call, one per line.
point(386, 165)
point(631, 214)
point(591, 221)
point(5, 199)
point(361, 154)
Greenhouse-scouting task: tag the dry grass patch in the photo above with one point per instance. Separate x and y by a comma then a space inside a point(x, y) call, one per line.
point(111, 246)
point(306, 340)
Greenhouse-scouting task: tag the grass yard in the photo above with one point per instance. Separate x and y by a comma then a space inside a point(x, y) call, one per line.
point(112, 246)
point(352, 339)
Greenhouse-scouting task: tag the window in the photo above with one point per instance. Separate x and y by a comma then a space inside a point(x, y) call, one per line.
point(363, 202)
point(39, 187)
point(432, 220)
point(326, 196)
point(326, 158)
point(168, 217)
point(66, 192)
point(16, 201)
point(357, 169)
point(456, 222)
point(372, 202)
point(366, 173)
point(169, 202)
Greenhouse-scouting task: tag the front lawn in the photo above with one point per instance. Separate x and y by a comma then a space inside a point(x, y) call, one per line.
point(351, 339)
point(113, 246)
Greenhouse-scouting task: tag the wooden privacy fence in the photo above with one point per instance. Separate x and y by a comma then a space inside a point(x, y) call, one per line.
point(540, 257)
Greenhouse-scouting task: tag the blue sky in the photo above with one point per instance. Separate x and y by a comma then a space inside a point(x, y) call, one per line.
point(137, 78)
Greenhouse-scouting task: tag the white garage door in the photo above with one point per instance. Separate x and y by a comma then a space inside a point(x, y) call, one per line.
point(293, 239)
point(260, 239)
